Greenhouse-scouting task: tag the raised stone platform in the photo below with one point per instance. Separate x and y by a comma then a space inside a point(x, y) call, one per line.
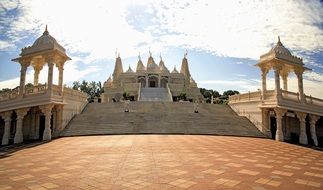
point(160, 118)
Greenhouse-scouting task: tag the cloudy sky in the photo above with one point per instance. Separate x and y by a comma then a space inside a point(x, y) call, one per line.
point(224, 39)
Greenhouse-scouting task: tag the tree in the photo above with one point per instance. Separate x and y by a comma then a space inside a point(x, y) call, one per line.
point(76, 85)
point(4, 90)
point(228, 93)
point(182, 96)
point(207, 94)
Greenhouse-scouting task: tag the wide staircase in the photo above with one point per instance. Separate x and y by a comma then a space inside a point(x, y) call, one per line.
point(159, 118)
point(155, 94)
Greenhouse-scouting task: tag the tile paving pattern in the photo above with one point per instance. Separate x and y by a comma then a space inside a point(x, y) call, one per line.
point(161, 162)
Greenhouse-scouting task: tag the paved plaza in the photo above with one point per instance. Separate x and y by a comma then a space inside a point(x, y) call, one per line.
point(161, 162)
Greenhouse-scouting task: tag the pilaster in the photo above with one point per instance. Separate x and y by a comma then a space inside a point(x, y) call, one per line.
point(20, 116)
point(314, 119)
point(279, 116)
point(47, 111)
point(7, 119)
point(302, 136)
point(299, 74)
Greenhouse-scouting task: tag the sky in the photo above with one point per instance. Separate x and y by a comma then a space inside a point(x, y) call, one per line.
point(224, 39)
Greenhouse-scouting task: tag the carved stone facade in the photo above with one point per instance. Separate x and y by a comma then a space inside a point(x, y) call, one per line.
point(150, 76)
point(281, 114)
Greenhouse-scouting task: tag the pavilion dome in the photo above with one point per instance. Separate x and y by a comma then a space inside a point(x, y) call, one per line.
point(44, 42)
point(279, 48)
point(109, 82)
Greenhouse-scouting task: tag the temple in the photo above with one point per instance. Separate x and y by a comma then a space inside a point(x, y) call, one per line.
point(151, 82)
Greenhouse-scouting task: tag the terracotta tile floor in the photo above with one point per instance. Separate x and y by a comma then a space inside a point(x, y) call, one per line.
point(161, 162)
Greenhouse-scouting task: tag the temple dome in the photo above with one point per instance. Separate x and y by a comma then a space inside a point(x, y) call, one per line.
point(162, 66)
point(129, 70)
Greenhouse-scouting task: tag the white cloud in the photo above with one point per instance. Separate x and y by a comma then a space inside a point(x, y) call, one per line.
point(4, 45)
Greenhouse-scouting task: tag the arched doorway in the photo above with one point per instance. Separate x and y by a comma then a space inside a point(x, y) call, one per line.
point(153, 82)
point(273, 127)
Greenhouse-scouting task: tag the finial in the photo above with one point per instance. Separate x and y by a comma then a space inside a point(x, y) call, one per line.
point(279, 43)
point(46, 31)
point(149, 52)
point(116, 53)
point(185, 55)
point(160, 57)
point(139, 57)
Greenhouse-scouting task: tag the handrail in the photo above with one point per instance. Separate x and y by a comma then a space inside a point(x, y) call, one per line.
point(169, 93)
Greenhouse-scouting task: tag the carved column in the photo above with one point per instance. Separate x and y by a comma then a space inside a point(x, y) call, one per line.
point(265, 122)
point(20, 116)
point(285, 82)
point(302, 136)
point(277, 70)
point(59, 119)
point(60, 67)
point(22, 79)
point(47, 111)
point(314, 119)
point(279, 116)
point(50, 74)
point(7, 119)
point(299, 74)
point(264, 72)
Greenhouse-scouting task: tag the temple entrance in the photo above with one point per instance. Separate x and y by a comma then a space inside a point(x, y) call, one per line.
point(142, 81)
point(153, 82)
point(273, 127)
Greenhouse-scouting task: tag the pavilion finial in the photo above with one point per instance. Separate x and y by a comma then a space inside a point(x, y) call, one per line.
point(149, 52)
point(279, 43)
point(46, 31)
point(139, 57)
point(160, 57)
point(185, 55)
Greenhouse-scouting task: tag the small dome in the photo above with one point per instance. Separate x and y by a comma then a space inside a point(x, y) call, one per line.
point(140, 65)
point(43, 43)
point(175, 70)
point(45, 39)
point(162, 66)
point(129, 70)
point(109, 82)
point(280, 49)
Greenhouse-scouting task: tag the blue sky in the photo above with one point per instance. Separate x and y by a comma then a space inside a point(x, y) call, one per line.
point(224, 39)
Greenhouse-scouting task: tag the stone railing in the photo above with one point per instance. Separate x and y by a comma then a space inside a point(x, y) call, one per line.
point(12, 94)
point(290, 96)
point(169, 93)
point(250, 96)
point(314, 101)
point(41, 88)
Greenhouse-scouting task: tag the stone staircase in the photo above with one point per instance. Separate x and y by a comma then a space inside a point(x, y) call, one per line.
point(159, 118)
point(155, 94)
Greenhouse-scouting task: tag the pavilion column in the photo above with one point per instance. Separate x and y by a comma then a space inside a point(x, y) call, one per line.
point(264, 72)
point(50, 74)
point(60, 75)
point(159, 81)
point(279, 116)
point(299, 74)
point(7, 119)
point(47, 110)
point(59, 119)
point(277, 82)
point(314, 119)
point(285, 82)
point(265, 122)
point(302, 136)
point(20, 116)
point(22, 79)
